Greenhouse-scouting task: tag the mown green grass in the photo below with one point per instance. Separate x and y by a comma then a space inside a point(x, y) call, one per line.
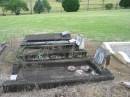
point(98, 25)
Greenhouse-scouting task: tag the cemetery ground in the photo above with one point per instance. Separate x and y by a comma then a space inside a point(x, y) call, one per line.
point(95, 25)
point(99, 25)
point(111, 88)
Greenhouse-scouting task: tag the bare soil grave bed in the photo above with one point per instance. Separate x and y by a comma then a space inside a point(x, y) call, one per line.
point(100, 89)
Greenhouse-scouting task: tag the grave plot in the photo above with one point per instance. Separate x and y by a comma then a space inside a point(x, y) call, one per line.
point(51, 60)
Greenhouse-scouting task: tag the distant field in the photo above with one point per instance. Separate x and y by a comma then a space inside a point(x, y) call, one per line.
point(93, 5)
point(98, 25)
point(56, 6)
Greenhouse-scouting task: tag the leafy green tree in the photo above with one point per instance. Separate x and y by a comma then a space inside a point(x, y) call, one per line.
point(125, 3)
point(38, 7)
point(70, 5)
point(16, 6)
point(3, 4)
point(46, 5)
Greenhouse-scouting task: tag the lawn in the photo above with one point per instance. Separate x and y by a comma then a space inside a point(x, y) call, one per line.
point(99, 25)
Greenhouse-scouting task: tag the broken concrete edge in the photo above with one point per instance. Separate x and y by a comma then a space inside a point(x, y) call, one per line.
point(125, 84)
point(106, 45)
point(121, 56)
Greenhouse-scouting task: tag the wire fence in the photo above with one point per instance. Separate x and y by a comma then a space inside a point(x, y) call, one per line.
point(85, 5)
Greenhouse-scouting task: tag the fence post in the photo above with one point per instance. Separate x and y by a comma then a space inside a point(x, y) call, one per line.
point(116, 6)
point(88, 5)
point(103, 4)
point(31, 9)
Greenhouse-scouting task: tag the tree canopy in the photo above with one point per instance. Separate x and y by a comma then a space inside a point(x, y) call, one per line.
point(3, 4)
point(38, 7)
point(16, 6)
point(41, 6)
point(46, 5)
point(70, 5)
point(125, 3)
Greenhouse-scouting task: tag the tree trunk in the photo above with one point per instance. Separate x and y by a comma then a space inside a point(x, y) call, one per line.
point(3, 11)
point(103, 4)
point(31, 6)
point(88, 5)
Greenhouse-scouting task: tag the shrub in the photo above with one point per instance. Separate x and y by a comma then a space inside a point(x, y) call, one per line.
point(46, 5)
point(124, 3)
point(41, 6)
point(16, 6)
point(70, 5)
point(109, 6)
point(38, 7)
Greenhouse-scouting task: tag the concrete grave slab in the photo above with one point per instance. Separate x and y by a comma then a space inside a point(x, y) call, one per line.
point(121, 50)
